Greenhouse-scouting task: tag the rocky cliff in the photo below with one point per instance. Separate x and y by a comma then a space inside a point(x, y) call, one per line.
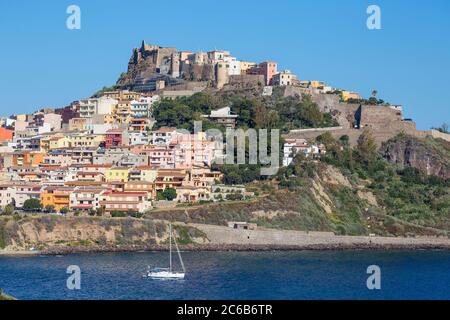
point(43, 232)
point(431, 156)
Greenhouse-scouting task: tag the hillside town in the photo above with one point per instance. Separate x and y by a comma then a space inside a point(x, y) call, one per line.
point(107, 155)
point(101, 155)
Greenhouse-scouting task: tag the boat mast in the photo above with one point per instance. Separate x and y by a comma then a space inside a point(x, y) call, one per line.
point(170, 247)
point(179, 254)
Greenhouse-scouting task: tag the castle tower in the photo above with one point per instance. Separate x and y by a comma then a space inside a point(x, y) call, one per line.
point(221, 74)
point(175, 65)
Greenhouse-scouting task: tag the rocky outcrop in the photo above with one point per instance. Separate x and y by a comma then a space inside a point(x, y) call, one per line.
point(429, 155)
point(42, 232)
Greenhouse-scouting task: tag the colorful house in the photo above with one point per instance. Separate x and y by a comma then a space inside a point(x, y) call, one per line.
point(117, 174)
point(56, 197)
point(6, 134)
point(116, 138)
point(126, 201)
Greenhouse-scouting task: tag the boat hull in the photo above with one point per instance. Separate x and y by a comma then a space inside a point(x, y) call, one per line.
point(166, 275)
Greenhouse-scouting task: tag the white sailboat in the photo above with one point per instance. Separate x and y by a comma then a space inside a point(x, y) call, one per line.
point(168, 273)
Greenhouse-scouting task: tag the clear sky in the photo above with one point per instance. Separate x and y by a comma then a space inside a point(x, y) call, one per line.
point(42, 63)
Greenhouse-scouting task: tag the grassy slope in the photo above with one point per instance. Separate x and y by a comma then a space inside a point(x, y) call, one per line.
point(301, 208)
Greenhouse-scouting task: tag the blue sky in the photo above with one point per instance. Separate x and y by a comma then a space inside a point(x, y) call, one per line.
point(43, 63)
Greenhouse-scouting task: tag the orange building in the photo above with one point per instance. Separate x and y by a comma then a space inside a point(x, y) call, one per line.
point(57, 197)
point(27, 158)
point(6, 134)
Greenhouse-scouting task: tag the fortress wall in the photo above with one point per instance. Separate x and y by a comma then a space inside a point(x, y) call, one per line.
point(437, 134)
point(378, 117)
point(246, 79)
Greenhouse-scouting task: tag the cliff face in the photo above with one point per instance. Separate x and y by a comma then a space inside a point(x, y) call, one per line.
point(431, 156)
point(52, 231)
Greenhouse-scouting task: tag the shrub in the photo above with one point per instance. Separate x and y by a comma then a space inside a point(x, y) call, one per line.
point(170, 194)
point(118, 214)
point(32, 205)
point(8, 210)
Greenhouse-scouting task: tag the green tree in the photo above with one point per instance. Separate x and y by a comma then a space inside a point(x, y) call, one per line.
point(366, 148)
point(8, 210)
point(345, 140)
point(32, 204)
point(64, 210)
point(118, 214)
point(169, 194)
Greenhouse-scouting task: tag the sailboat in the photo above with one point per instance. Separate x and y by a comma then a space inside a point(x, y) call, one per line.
point(168, 273)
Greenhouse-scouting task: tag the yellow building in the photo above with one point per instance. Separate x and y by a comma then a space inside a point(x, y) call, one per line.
point(117, 174)
point(122, 95)
point(316, 84)
point(246, 65)
point(77, 124)
point(147, 173)
point(122, 112)
point(85, 140)
point(21, 117)
point(74, 140)
point(57, 198)
point(59, 143)
point(45, 144)
point(347, 95)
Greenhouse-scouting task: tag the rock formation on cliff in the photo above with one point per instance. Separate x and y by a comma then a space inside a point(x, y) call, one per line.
point(431, 156)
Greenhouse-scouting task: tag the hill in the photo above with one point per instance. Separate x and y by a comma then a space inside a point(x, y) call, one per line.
point(350, 191)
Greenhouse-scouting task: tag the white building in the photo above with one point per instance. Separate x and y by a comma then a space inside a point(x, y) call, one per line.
point(90, 107)
point(87, 198)
point(284, 78)
point(99, 129)
point(234, 67)
point(223, 116)
point(139, 138)
point(162, 136)
point(217, 56)
point(54, 120)
point(143, 107)
point(7, 195)
point(24, 192)
point(293, 147)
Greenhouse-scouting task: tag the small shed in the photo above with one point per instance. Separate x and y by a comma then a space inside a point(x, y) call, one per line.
point(242, 225)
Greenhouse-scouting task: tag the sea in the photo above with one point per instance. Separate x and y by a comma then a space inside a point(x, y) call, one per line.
point(277, 275)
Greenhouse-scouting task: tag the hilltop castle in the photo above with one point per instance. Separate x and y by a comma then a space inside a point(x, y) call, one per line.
point(152, 67)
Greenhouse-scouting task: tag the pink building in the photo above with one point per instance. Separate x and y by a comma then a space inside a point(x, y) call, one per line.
point(268, 69)
point(192, 150)
point(160, 156)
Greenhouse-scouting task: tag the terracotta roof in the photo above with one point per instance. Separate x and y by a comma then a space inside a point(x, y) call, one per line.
point(89, 173)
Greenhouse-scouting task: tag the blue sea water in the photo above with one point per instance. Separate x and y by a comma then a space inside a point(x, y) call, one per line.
point(233, 275)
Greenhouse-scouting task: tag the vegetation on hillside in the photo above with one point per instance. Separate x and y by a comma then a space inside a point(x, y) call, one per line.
point(105, 89)
point(404, 193)
point(284, 113)
point(350, 191)
point(276, 112)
